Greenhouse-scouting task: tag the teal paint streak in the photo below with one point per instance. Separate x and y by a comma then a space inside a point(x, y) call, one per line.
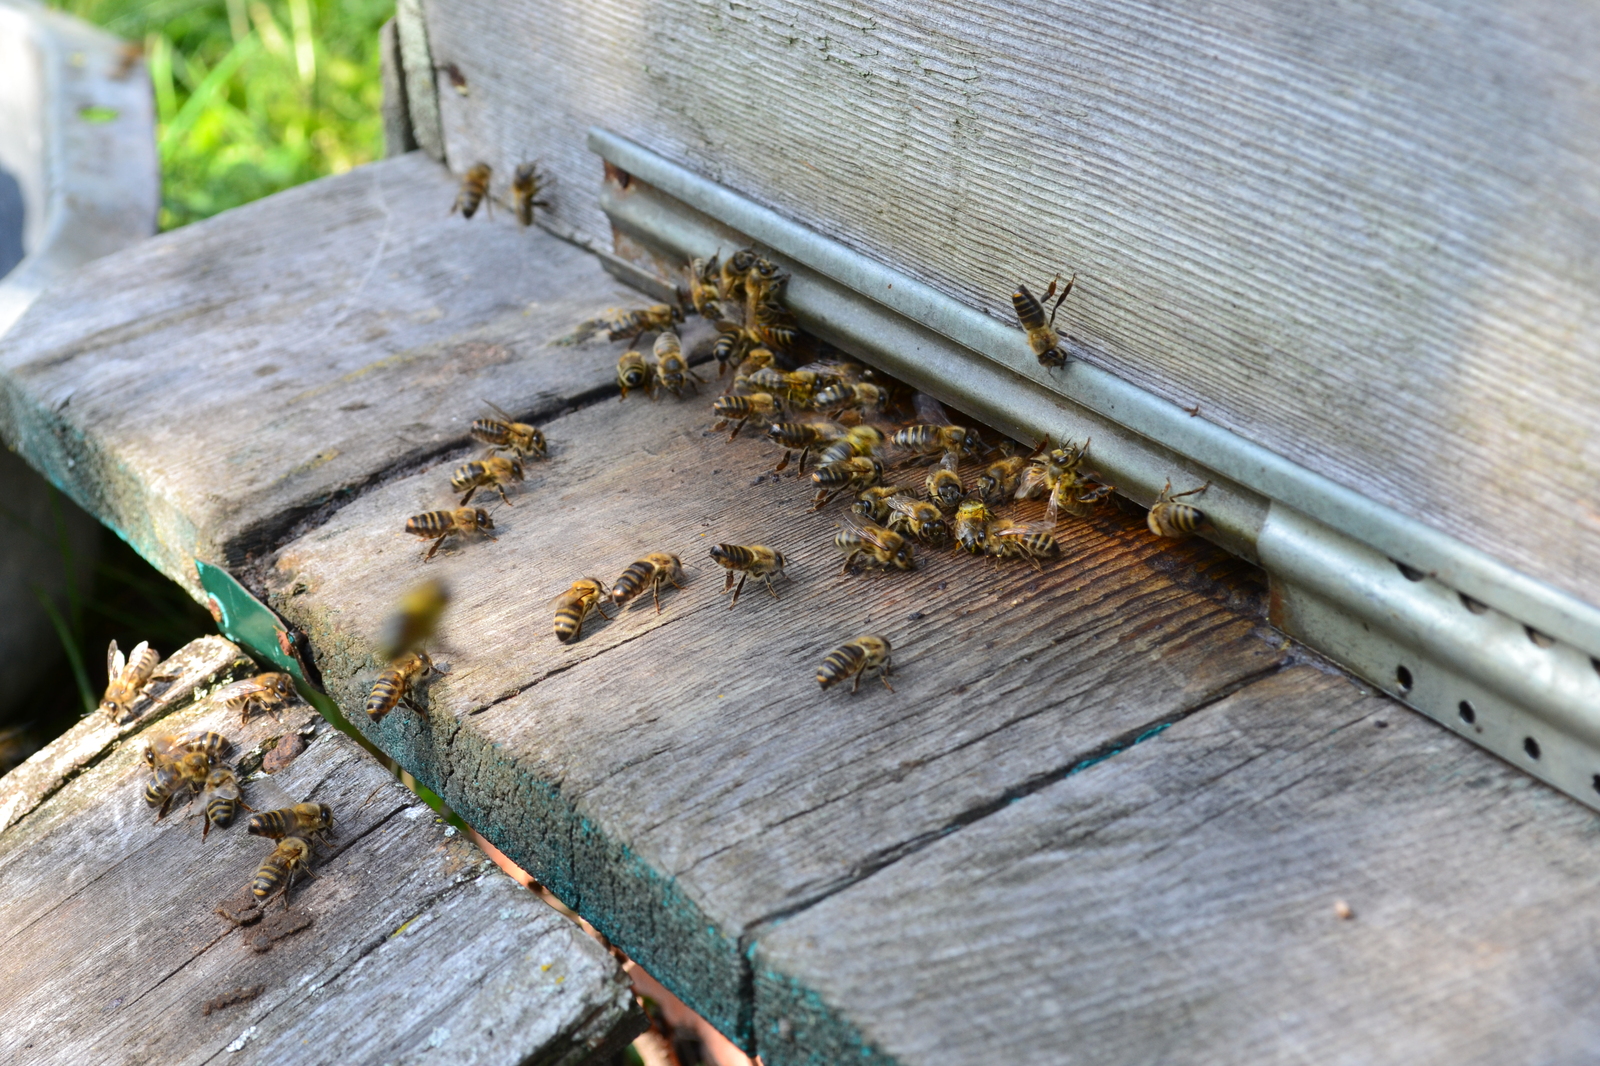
point(794, 1026)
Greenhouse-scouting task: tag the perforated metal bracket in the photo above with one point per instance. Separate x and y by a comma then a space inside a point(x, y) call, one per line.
point(1500, 657)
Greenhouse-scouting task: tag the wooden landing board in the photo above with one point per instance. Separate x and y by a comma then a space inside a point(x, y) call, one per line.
point(205, 390)
point(679, 779)
point(1177, 903)
point(111, 943)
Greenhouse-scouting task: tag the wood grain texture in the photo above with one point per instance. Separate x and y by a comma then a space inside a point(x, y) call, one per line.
point(419, 950)
point(679, 779)
point(1361, 236)
point(1177, 903)
point(205, 390)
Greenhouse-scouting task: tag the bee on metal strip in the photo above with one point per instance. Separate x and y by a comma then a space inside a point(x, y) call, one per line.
point(854, 658)
point(653, 571)
point(437, 525)
point(474, 191)
point(755, 560)
point(1175, 520)
point(1042, 336)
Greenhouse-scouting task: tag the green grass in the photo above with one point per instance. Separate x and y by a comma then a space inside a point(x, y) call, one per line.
point(252, 96)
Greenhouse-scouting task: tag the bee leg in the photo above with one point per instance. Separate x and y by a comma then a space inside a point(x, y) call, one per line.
point(736, 430)
point(468, 497)
point(599, 605)
point(503, 495)
point(205, 828)
point(655, 590)
point(770, 590)
point(728, 584)
point(1191, 492)
point(883, 675)
point(436, 542)
point(784, 462)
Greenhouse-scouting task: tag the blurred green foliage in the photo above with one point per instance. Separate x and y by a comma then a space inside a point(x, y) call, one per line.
point(253, 96)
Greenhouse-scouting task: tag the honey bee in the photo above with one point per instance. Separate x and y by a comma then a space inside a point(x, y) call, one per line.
point(525, 185)
point(1023, 540)
point(873, 504)
point(617, 324)
point(414, 623)
point(861, 396)
point(672, 371)
point(575, 604)
point(1077, 496)
point(494, 472)
point(929, 441)
point(164, 751)
point(855, 442)
point(849, 475)
point(761, 405)
point(188, 770)
point(632, 372)
point(764, 379)
point(399, 683)
point(220, 800)
point(755, 560)
point(276, 874)
point(754, 359)
point(126, 678)
point(703, 291)
point(921, 520)
point(802, 437)
point(1176, 520)
point(999, 481)
point(764, 282)
point(772, 325)
point(730, 346)
point(861, 540)
point(309, 821)
point(1042, 336)
point(972, 526)
point(653, 571)
point(474, 189)
point(504, 435)
point(437, 525)
point(264, 692)
point(944, 484)
point(734, 270)
point(854, 658)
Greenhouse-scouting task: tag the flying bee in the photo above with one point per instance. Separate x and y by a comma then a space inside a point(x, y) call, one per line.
point(1176, 520)
point(126, 678)
point(855, 442)
point(972, 526)
point(474, 188)
point(632, 372)
point(873, 504)
point(525, 186)
point(703, 292)
point(1042, 336)
point(999, 481)
point(504, 435)
point(220, 800)
point(309, 821)
point(849, 475)
point(759, 405)
point(575, 604)
point(1077, 496)
point(734, 270)
point(617, 324)
point(918, 518)
point(861, 396)
point(414, 623)
point(276, 874)
point(944, 484)
point(1023, 540)
point(929, 441)
point(802, 437)
point(755, 560)
point(672, 371)
point(437, 525)
point(399, 683)
point(854, 658)
point(494, 472)
point(264, 692)
point(653, 571)
point(861, 540)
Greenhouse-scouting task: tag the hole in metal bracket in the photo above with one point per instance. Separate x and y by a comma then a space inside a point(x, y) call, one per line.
point(1473, 605)
point(1530, 746)
point(1402, 679)
point(1411, 573)
point(1539, 638)
point(1468, 715)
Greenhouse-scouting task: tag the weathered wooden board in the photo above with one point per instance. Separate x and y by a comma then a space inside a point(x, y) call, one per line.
point(679, 778)
point(1360, 236)
point(1177, 903)
point(419, 949)
point(205, 390)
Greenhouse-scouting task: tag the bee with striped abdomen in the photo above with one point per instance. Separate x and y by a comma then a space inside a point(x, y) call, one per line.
point(922, 520)
point(126, 678)
point(276, 874)
point(772, 325)
point(617, 324)
point(525, 186)
point(494, 472)
point(944, 484)
point(220, 800)
point(1022, 540)
point(672, 371)
point(264, 692)
point(575, 604)
point(754, 560)
point(1077, 496)
point(758, 405)
point(703, 292)
point(855, 442)
point(653, 571)
point(474, 190)
point(931, 441)
point(401, 682)
point(1176, 520)
point(1042, 336)
point(854, 658)
point(437, 525)
point(972, 526)
point(632, 372)
point(844, 395)
point(999, 480)
point(730, 346)
point(186, 772)
point(847, 475)
point(802, 437)
point(309, 821)
point(861, 540)
point(503, 434)
point(734, 270)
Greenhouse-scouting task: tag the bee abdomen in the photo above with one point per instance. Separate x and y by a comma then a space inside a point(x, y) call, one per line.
point(569, 620)
point(273, 824)
point(385, 695)
point(1175, 519)
point(268, 877)
point(490, 430)
point(431, 524)
point(1029, 313)
point(221, 811)
point(633, 581)
point(468, 476)
point(839, 664)
point(733, 555)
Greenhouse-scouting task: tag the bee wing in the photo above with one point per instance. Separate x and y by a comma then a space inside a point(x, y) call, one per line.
point(902, 503)
point(950, 461)
point(1032, 483)
point(929, 410)
point(502, 412)
point(114, 661)
point(1024, 529)
point(136, 654)
point(872, 533)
